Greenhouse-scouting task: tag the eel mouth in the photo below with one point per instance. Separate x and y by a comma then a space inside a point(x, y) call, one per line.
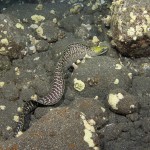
point(99, 50)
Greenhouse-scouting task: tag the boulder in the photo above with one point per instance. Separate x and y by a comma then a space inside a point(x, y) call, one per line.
point(62, 128)
point(122, 102)
point(130, 27)
point(12, 38)
point(97, 79)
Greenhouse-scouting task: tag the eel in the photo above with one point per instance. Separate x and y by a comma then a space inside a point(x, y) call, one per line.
point(70, 55)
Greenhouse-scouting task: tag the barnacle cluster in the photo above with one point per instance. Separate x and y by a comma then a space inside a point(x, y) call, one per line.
point(136, 22)
point(129, 23)
point(4, 41)
point(37, 18)
point(19, 26)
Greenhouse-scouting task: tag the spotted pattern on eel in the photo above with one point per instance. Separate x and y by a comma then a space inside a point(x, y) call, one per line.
point(71, 54)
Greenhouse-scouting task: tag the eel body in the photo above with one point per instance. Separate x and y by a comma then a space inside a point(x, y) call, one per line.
point(71, 54)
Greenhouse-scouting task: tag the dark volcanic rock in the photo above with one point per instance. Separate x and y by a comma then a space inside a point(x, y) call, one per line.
point(30, 76)
point(10, 91)
point(61, 128)
point(141, 86)
point(5, 63)
point(130, 21)
point(93, 109)
point(122, 102)
point(49, 31)
point(42, 46)
point(12, 38)
point(100, 75)
point(70, 23)
point(127, 135)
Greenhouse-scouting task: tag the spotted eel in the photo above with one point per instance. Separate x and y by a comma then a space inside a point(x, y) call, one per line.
point(71, 54)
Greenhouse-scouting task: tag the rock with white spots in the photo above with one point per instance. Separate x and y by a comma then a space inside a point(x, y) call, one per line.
point(122, 102)
point(130, 27)
point(100, 75)
point(62, 128)
point(49, 31)
point(12, 38)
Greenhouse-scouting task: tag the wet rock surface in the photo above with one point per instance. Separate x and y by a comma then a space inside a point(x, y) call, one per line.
point(122, 102)
point(71, 133)
point(99, 80)
point(129, 22)
point(12, 37)
point(5, 63)
point(83, 119)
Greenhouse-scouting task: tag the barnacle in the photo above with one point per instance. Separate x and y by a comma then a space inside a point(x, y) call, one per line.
point(4, 41)
point(79, 85)
point(37, 18)
point(2, 84)
point(19, 26)
point(95, 39)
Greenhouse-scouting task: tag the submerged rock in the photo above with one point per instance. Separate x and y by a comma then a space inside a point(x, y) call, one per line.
point(62, 128)
point(5, 63)
point(100, 75)
point(49, 31)
point(122, 102)
point(130, 27)
point(12, 38)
